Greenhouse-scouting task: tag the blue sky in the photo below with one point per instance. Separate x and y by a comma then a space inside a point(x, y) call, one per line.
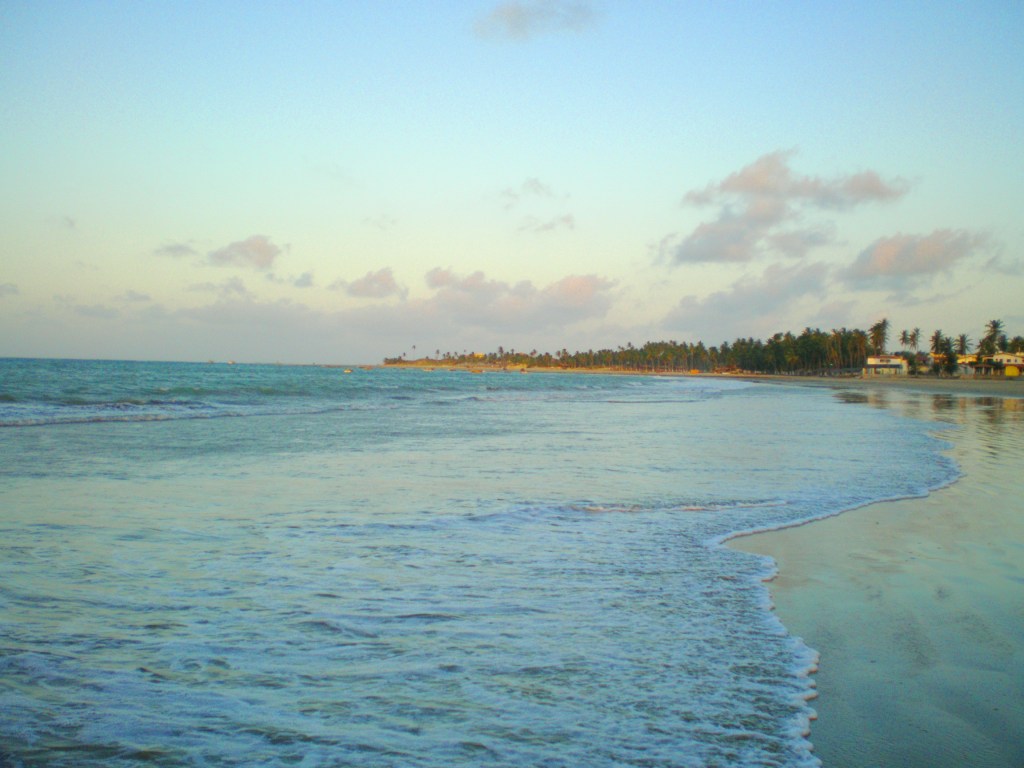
point(337, 182)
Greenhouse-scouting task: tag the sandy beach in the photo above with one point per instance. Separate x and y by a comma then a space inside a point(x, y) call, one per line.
point(917, 606)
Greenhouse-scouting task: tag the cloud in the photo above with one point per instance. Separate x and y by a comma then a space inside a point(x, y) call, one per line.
point(474, 301)
point(524, 20)
point(758, 203)
point(770, 177)
point(176, 250)
point(233, 286)
point(305, 280)
point(895, 262)
point(373, 285)
point(256, 251)
point(751, 305)
point(566, 221)
point(8, 289)
point(131, 296)
point(97, 311)
point(532, 187)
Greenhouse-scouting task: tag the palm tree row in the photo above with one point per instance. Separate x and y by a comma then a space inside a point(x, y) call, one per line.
point(812, 351)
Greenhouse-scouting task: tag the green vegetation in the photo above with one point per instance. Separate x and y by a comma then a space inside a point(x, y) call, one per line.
point(812, 352)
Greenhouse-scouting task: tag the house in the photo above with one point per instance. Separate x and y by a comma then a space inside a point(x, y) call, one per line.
point(886, 365)
point(1010, 364)
point(1008, 358)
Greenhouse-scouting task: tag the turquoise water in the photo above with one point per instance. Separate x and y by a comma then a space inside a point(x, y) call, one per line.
point(270, 565)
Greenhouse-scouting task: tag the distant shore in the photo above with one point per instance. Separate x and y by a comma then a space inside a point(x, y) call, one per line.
point(914, 605)
point(971, 386)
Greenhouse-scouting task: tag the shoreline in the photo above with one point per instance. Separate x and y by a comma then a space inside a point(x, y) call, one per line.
point(914, 605)
point(974, 386)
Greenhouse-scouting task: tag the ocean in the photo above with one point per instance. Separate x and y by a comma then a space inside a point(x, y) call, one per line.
point(219, 565)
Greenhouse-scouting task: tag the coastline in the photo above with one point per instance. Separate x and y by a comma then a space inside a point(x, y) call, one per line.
point(969, 386)
point(915, 606)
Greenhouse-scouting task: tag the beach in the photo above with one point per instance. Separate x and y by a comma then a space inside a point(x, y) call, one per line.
point(916, 606)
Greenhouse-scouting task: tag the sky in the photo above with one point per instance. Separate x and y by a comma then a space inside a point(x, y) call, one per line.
point(336, 182)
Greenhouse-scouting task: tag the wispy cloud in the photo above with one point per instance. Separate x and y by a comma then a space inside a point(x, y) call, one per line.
point(8, 289)
point(97, 311)
point(525, 20)
point(760, 208)
point(176, 250)
point(540, 197)
point(533, 187)
point(373, 285)
point(134, 297)
point(532, 224)
point(256, 251)
point(232, 287)
point(897, 261)
point(305, 280)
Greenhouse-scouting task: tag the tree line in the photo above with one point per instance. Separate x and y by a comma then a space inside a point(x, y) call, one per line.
point(811, 352)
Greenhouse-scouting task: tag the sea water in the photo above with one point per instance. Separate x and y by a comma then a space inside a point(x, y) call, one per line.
point(218, 565)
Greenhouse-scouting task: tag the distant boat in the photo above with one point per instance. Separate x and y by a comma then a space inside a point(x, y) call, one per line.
point(347, 370)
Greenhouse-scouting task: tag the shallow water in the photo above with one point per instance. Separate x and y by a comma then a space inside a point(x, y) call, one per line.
point(258, 565)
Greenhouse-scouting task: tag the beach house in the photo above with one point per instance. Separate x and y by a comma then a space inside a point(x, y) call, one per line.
point(1009, 364)
point(885, 365)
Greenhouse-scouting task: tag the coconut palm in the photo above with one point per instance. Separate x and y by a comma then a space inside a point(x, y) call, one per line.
point(879, 332)
point(936, 342)
point(915, 339)
point(904, 338)
point(963, 343)
point(994, 338)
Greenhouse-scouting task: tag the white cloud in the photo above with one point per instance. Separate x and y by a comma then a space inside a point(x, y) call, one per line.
point(524, 20)
point(474, 301)
point(373, 285)
point(256, 251)
point(759, 203)
point(770, 177)
point(751, 306)
point(897, 261)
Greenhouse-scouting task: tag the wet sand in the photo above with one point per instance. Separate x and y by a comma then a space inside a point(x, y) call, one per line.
point(917, 606)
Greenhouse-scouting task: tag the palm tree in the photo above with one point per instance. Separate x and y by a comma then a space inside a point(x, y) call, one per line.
point(915, 339)
point(993, 339)
point(858, 348)
point(904, 338)
point(936, 342)
point(879, 333)
point(963, 343)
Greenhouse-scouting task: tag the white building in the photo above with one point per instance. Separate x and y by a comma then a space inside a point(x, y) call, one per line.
point(886, 365)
